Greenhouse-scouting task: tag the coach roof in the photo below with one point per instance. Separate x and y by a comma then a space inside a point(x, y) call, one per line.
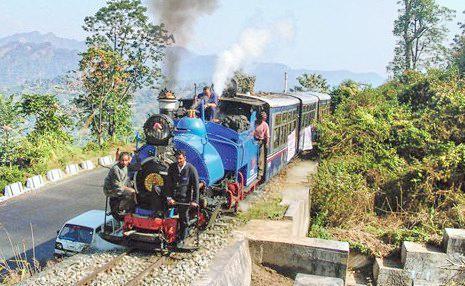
point(275, 99)
point(321, 96)
point(305, 96)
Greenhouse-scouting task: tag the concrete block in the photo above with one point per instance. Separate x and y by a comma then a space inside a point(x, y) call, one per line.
point(301, 255)
point(35, 182)
point(14, 189)
point(453, 240)
point(429, 263)
point(87, 165)
point(313, 280)
point(296, 213)
point(359, 261)
point(105, 161)
point(54, 175)
point(387, 272)
point(232, 266)
point(72, 169)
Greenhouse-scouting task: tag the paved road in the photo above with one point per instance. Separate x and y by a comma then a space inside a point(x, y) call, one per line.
point(46, 210)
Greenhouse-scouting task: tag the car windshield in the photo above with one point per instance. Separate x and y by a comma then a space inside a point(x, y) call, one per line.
point(77, 233)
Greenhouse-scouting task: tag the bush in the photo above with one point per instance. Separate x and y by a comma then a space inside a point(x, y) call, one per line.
point(10, 175)
point(341, 191)
point(395, 151)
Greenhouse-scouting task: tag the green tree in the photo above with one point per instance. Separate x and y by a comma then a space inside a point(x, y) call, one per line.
point(345, 89)
point(10, 128)
point(49, 117)
point(124, 54)
point(104, 77)
point(245, 82)
point(458, 50)
point(421, 30)
point(312, 82)
point(123, 27)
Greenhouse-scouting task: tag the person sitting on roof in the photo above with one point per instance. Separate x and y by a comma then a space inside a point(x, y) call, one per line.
point(210, 103)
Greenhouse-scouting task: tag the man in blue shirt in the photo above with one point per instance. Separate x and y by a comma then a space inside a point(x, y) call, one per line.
point(210, 103)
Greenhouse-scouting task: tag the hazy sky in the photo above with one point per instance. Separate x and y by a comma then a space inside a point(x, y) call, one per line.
point(354, 35)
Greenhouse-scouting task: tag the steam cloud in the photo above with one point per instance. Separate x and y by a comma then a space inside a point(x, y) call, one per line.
point(179, 16)
point(251, 44)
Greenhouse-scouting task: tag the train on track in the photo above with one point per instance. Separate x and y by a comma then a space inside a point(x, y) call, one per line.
point(223, 151)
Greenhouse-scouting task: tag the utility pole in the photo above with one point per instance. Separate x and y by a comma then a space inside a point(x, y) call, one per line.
point(285, 82)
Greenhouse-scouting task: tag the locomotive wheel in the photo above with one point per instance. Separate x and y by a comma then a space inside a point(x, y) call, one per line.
point(157, 129)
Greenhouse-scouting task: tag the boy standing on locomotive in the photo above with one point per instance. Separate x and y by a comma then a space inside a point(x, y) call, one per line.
point(182, 189)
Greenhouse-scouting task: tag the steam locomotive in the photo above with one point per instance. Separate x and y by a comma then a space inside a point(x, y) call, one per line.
point(224, 152)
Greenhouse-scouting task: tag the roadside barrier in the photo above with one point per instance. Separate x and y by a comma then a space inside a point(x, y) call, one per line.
point(72, 169)
point(38, 181)
point(54, 175)
point(35, 182)
point(13, 190)
point(87, 165)
point(105, 161)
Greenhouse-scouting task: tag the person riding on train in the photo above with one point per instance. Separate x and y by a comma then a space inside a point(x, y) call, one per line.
point(117, 186)
point(262, 135)
point(210, 103)
point(182, 190)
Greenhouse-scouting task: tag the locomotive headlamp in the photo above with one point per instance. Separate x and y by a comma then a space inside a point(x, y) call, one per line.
point(167, 102)
point(152, 180)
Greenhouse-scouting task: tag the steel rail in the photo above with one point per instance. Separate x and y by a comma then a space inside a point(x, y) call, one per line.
point(107, 266)
point(155, 264)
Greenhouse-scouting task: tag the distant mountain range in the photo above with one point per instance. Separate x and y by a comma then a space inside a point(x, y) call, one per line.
point(36, 56)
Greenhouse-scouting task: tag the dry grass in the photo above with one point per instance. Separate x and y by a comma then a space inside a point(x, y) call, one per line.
point(19, 267)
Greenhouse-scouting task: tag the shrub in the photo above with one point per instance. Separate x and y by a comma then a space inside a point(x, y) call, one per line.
point(341, 191)
point(398, 150)
point(10, 175)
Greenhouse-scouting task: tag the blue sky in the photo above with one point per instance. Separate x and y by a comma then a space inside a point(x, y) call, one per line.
point(354, 35)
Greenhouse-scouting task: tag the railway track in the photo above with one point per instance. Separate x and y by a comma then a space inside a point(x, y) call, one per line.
point(104, 268)
point(154, 261)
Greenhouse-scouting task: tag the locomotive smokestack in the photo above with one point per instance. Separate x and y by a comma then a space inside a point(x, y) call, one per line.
point(167, 102)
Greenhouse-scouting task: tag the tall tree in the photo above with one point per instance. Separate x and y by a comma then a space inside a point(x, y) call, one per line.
point(458, 50)
point(124, 54)
point(312, 82)
point(421, 31)
point(104, 77)
point(124, 27)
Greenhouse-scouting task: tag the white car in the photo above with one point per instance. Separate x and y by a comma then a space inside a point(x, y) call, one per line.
point(82, 232)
